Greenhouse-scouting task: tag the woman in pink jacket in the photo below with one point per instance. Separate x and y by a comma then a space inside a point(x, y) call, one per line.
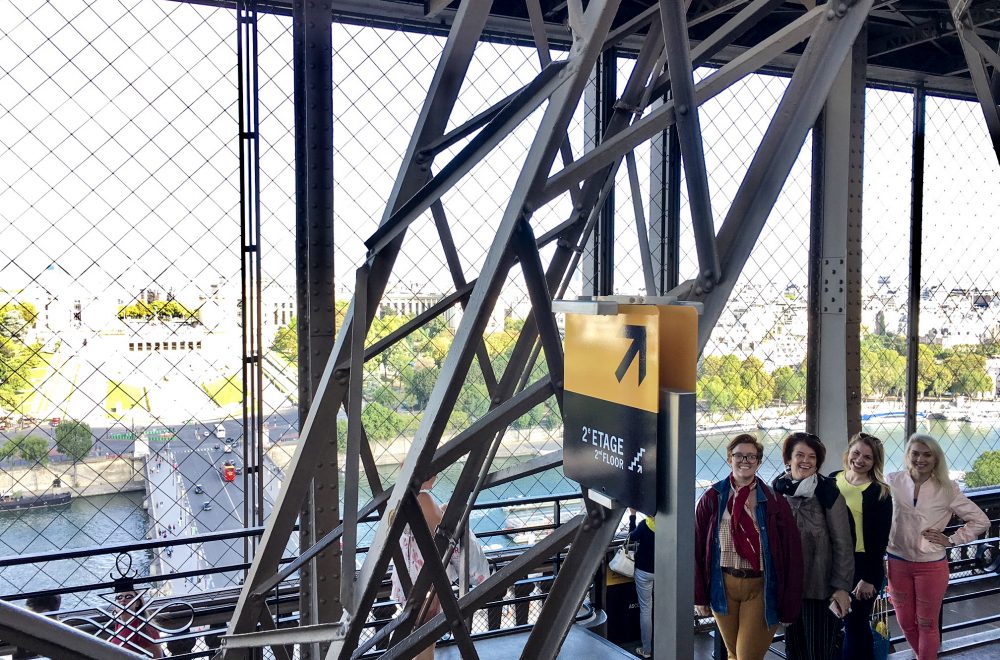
point(923, 501)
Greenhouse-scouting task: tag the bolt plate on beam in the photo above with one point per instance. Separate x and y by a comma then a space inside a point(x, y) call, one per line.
point(834, 285)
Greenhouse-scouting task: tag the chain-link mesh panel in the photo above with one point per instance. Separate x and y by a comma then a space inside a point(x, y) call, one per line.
point(121, 278)
point(959, 316)
point(380, 81)
point(884, 271)
point(751, 377)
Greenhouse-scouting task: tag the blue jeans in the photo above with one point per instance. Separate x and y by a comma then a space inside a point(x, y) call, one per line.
point(644, 589)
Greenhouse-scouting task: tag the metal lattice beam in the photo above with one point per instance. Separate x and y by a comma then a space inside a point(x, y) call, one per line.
point(588, 180)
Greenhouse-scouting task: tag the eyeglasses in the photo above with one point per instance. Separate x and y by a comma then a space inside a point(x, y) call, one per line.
point(124, 597)
point(746, 458)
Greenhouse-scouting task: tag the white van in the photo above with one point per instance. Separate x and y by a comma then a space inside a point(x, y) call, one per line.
point(220, 431)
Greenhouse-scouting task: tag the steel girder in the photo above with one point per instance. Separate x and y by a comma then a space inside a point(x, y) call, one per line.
point(588, 180)
point(318, 509)
point(979, 54)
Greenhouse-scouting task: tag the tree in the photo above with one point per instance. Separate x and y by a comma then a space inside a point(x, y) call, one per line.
point(789, 385)
point(34, 449)
point(8, 449)
point(74, 438)
point(380, 423)
point(13, 325)
point(969, 370)
point(883, 370)
point(419, 383)
point(985, 471)
point(757, 382)
point(286, 341)
point(715, 394)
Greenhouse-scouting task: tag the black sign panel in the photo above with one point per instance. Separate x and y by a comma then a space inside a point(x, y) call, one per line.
point(611, 448)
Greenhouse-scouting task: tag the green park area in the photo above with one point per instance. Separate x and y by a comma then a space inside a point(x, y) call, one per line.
point(122, 397)
point(225, 391)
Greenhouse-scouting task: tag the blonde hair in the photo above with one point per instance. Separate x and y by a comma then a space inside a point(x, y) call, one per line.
point(878, 459)
point(940, 462)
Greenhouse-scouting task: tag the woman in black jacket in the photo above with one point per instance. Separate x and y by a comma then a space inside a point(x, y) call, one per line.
point(863, 486)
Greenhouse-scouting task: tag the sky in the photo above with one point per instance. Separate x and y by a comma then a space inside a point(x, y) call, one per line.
point(119, 157)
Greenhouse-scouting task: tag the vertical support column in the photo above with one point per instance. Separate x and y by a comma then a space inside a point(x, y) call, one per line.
point(599, 104)
point(833, 409)
point(916, 242)
point(664, 207)
point(250, 270)
point(319, 599)
point(673, 597)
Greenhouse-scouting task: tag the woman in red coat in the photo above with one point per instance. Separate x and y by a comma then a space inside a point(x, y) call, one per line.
point(748, 556)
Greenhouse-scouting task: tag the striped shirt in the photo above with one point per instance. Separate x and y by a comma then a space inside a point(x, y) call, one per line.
point(729, 557)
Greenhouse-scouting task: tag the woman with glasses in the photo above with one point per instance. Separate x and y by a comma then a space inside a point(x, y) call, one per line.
point(828, 552)
point(924, 499)
point(870, 505)
point(748, 561)
point(132, 628)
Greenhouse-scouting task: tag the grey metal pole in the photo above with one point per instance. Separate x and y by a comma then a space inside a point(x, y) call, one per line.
point(673, 596)
point(916, 241)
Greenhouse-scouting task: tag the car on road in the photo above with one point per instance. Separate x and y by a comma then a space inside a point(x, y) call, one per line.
point(207, 506)
point(220, 431)
point(198, 489)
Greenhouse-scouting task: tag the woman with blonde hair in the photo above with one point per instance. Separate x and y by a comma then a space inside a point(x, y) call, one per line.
point(924, 499)
point(869, 503)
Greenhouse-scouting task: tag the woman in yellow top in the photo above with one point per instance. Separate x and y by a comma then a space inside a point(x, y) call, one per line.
point(869, 502)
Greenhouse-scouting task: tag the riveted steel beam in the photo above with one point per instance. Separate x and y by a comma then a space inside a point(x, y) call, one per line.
point(315, 434)
point(976, 51)
point(689, 133)
point(617, 145)
point(832, 39)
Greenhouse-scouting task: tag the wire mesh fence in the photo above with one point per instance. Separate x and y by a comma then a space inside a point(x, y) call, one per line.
point(119, 338)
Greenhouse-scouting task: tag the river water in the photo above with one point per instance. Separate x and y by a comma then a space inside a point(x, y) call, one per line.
point(85, 522)
point(106, 520)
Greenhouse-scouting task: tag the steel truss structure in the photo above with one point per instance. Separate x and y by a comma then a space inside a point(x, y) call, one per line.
point(660, 95)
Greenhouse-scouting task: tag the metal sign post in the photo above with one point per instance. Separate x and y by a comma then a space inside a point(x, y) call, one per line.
point(629, 410)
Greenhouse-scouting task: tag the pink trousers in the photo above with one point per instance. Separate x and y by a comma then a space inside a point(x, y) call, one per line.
point(917, 589)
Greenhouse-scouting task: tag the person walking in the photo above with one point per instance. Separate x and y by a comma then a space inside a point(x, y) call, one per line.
point(415, 560)
point(824, 528)
point(644, 538)
point(748, 557)
point(924, 499)
point(869, 502)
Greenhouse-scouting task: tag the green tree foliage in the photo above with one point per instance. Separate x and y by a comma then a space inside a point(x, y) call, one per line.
point(8, 449)
point(26, 310)
point(985, 471)
point(789, 385)
point(418, 383)
point(75, 439)
point(757, 383)
point(12, 325)
point(33, 448)
point(162, 310)
point(342, 434)
point(969, 370)
point(286, 341)
point(381, 423)
point(883, 369)
point(17, 361)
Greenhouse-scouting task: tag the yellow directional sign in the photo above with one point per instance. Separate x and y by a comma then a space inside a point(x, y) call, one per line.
point(616, 370)
point(615, 358)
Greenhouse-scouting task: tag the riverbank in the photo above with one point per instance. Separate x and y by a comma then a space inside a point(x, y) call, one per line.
point(92, 476)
